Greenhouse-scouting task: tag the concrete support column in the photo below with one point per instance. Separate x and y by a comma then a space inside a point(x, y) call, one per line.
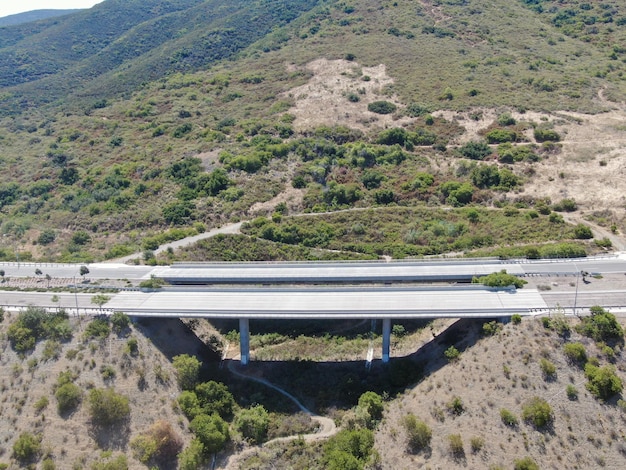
point(386, 338)
point(244, 340)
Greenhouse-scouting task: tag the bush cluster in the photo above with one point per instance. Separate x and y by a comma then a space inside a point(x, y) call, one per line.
point(36, 324)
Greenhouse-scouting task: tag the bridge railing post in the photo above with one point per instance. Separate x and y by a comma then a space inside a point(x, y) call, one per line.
point(244, 340)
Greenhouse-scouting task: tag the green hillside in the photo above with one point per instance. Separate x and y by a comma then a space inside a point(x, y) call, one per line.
point(134, 118)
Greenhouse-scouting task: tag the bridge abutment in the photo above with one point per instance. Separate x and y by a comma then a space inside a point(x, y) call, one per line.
point(244, 340)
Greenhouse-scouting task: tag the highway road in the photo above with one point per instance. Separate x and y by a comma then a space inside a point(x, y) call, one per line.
point(431, 270)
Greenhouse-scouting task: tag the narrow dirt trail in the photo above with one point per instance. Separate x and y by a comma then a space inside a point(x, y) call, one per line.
point(326, 429)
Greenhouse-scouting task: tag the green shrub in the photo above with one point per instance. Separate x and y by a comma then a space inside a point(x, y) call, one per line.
point(583, 232)
point(26, 447)
point(508, 418)
point(36, 324)
point(212, 431)
point(548, 369)
point(501, 279)
point(475, 150)
point(187, 370)
point(526, 464)
point(381, 107)
point(214, 397)
point(119, 321)
point(98, 328)
point(348, 449)
point(456, 445)
point(603, 382)
point(491, 328)
point(253, 423)
point(575, 353)
point(68, 396)
point(565, 205)
point(41, 404)
point(371, 403)
point(572, 392)
point(452, 354)
point(160, 444)
point(477, 443)
point(193, 456)
point(537, 412)
point(601, 326)
point(516, 319)
point(546, 135)
point(108, 463)
point(418, 432)
point(106, 407)
point(455, 406)
point(497, 136)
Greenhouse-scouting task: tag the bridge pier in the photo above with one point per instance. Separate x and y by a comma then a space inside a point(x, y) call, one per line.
point(386, 338)
point(244, 340)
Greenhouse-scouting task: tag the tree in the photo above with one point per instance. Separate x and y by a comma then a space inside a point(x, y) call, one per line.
point(187, 370)
point(100, 300)
point(211, 431)
point(84, 270)
point(214, 397)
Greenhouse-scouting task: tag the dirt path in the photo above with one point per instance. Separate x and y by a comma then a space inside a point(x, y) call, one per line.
point(619, 243)
point(326, 429)
point(229, 228)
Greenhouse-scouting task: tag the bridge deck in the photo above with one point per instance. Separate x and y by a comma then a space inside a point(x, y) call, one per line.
point(336, 303)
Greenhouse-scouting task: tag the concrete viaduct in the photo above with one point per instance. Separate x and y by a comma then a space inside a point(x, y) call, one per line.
point(333, 290)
